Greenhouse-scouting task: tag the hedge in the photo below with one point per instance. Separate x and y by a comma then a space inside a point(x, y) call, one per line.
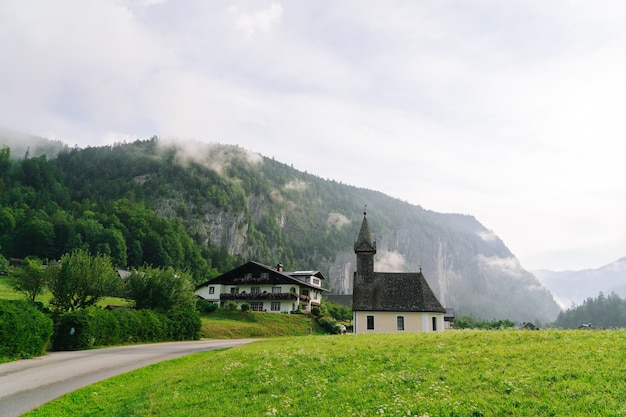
point(98, 327)
point(24, 330)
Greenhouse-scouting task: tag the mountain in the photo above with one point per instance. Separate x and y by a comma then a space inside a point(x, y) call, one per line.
point(574, 287)
point(235, 204)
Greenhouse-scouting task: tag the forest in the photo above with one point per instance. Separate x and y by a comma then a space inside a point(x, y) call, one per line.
point(52, 207)
point(601, 312)
point(205, 208)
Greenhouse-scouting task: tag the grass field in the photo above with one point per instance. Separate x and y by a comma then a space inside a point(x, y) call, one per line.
point(456, 373)
point(224, 324)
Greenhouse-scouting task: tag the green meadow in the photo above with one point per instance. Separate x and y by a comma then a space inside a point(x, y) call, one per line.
point(455, 373)
point(224, 324)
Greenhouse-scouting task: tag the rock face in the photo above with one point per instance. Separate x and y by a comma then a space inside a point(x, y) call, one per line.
point(263, 210)
point(306, 222)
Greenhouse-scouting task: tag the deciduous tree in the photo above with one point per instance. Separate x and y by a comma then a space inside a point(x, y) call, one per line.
point(82, 280)
point(29, 279)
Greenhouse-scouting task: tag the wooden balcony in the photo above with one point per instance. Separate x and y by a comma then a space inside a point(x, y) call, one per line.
point(260, 296)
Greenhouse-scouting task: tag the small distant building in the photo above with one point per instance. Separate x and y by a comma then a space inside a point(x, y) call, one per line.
point(265, 288)
point(386, 302)
point(528, 326)
point(448, 318)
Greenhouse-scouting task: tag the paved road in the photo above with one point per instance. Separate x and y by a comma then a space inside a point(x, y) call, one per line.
point(28, 384)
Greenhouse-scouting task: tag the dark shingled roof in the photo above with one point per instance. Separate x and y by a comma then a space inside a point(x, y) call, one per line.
point(237, 276)
point(389, 291)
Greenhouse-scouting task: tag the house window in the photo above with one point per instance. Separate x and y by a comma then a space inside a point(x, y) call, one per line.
point(275, 306)
point(315, 295)
point(265, 275)
point(276, 290)
point(305, 292)
point(247, 275)
point(434, 324)
point(234, 290)
point(256, 306)
point(255, 290)
point(211, 290)
point(292, 290)
point(370, 322)
point(316, 281)
point(400, 323)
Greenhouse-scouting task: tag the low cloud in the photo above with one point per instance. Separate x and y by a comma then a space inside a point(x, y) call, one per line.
point(387, 261)
point(337, 220)
point(296, 185)
point(510, 265)
point(211, 155)
point(487, 235)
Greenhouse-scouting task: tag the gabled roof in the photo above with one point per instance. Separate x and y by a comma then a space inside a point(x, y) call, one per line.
point(316, 274)
point(408, 292)
point(237, 276)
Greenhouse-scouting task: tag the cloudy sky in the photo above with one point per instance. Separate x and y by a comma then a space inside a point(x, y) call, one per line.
point(511, 111)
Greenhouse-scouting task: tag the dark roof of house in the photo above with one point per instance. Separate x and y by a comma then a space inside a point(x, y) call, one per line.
point(388, 291)
point(237, 276)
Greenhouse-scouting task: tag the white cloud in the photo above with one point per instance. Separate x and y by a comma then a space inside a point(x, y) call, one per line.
point(389, 261)
point(249, 23)
point(507, 111)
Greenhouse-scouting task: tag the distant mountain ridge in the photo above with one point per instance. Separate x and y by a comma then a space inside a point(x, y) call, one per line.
point(264, 210)
point(574, 287)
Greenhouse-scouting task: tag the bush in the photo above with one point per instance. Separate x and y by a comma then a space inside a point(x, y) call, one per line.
point(245, 307)
point(206, 306)
point(337, 311)
point(185, 325)
point(329, 324)
point(315, 311)
point(97, 327)
point(24, 330)
point(231, 306)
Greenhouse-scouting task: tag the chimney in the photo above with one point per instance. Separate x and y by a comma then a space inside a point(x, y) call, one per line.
point(279, 267)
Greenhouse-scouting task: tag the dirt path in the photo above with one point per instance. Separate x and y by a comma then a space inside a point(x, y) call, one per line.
point(28, 384)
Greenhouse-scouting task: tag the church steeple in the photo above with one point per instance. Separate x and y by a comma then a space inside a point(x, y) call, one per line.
point(364, 242)
point(365, 249)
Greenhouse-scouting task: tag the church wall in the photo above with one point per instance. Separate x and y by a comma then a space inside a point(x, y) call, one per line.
point(387, 321)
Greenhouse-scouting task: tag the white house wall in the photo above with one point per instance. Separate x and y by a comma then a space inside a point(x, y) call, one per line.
point(387, 321)
point(286, 306)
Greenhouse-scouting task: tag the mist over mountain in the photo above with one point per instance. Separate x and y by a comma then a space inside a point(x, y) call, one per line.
point(255, 208)
point(574, 287)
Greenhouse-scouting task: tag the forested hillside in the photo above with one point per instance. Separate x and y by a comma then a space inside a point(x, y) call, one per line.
point(207, 207)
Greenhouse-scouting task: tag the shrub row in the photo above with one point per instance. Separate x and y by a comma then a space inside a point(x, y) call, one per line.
point(97, 327)
point(24, 330)
point(329, 324)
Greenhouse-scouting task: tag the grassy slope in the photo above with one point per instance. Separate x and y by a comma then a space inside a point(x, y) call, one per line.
point(238, 325)
point(6, 292)
point(456, 373)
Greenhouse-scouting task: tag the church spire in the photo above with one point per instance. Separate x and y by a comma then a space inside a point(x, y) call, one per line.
point(365, 243)
point(365, 249)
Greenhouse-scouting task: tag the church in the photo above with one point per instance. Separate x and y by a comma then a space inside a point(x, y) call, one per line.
point(390, 302)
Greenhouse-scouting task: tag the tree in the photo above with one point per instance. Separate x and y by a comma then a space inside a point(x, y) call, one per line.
point(29, 279)
point(35, 237)
point(162, 289)
point(82, 280)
